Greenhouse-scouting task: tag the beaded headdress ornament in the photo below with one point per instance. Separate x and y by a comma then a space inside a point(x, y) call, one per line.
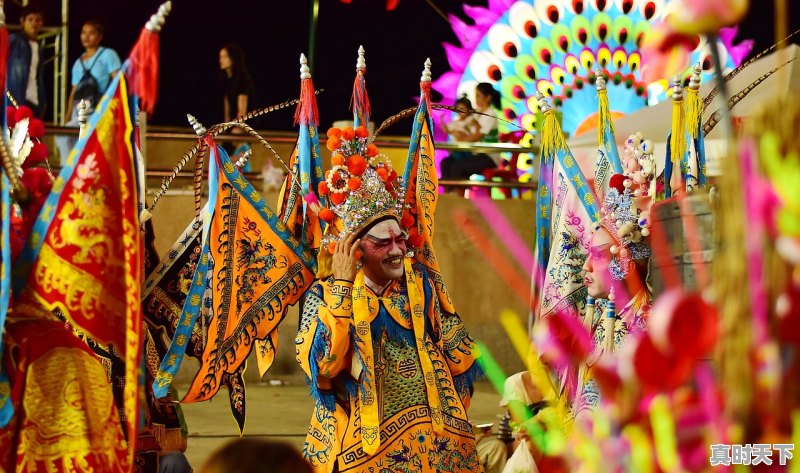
point(625, 211)
point(361, 187)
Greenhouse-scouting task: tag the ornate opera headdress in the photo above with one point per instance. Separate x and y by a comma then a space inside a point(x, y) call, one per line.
point(361, 187)
point(626, 207)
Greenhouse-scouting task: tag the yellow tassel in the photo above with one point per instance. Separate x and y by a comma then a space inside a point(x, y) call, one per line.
point(552, 136)
point(604, 116)
point(694, 110)
point(677, 141)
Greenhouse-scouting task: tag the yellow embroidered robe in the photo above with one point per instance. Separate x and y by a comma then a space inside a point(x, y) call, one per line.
point(330, 352)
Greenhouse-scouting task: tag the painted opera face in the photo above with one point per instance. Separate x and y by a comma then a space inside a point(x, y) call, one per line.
point(597, 279)
point(382, 249)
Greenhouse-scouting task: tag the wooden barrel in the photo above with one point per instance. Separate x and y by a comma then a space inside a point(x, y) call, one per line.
point(688, 229)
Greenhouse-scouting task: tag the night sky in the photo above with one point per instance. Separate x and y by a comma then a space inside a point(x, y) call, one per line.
point(274, 33)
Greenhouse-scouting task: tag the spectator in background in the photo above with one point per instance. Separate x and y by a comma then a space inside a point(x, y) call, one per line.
point(463, 124)
point(254, 455)
point(238, 92)
point(92, 71)
point(237, 85)
point(491, 450)
point(25, 71)
point(91, 75)
point(487, 100)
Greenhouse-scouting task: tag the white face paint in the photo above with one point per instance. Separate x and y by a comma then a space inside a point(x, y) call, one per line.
point(382, 249)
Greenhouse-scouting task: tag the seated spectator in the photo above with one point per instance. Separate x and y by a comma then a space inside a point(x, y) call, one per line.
point(525, 401)
point(464, 124)
point(491, 450)
point(487, 100)
point(254, 455)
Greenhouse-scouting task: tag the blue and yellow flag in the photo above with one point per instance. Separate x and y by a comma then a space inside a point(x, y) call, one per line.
point(422, 191)
point(300, 186)
point(566, 210)
point(694, 129)
point(251, 269)
point(685, 163)
point(6, 409)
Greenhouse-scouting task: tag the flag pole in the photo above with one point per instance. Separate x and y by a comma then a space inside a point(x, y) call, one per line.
point(312, 32)
point(83, 117)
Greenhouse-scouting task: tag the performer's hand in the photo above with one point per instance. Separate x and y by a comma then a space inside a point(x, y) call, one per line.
point(345, 257)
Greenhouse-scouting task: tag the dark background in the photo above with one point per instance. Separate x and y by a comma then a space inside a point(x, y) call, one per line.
point(274, 33)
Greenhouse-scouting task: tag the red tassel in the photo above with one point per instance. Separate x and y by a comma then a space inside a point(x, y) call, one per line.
point(425, 88)
point(144, 69)
point(306, 113)
point(391, 4)
point(360, 99)
point(3, 57)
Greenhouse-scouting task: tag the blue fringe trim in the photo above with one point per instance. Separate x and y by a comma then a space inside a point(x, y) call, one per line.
point(384, 323)
point(463, 382)
point(318, 347)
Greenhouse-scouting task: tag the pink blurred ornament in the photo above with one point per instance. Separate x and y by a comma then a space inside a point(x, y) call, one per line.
point(706, 16)
point(665, 52)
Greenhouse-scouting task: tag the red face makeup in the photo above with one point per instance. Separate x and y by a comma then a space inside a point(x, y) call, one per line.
point(382, 252)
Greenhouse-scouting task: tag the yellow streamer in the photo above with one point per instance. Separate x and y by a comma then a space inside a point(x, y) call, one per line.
point(416, 300)
point(641, 459)
point(552, 136)
point(604, 116)
point(795, 463)
point(370, 423)
point(677, 141)
point(694, 111)
point(664, 434)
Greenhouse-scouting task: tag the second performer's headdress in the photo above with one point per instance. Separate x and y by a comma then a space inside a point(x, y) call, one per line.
point(626, 207)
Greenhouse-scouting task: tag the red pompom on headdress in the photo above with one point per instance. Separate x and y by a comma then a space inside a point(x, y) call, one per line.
point(37, 156)
point(23, 112)
point(617, 182)
point(36, 128)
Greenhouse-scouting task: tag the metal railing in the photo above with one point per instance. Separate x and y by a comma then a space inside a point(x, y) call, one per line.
point(176, 133)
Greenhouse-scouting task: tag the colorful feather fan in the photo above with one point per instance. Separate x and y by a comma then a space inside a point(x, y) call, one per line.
point(553, 46)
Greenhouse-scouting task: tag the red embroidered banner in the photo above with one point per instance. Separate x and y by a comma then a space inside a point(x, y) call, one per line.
point(84, 257)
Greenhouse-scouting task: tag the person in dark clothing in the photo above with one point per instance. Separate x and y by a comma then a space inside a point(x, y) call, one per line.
point(25, 73)
point(237, 85)
point(238, 90)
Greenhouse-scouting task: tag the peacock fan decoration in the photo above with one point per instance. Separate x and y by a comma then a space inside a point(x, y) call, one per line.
point(553, 47)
